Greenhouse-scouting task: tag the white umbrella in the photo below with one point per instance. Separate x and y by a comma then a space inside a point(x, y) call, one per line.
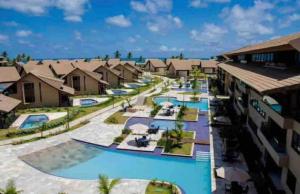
point(233, 174)
point(166, 104)
point(139, 128)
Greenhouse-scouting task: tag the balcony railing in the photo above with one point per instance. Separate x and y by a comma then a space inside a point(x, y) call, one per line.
point(276, 142)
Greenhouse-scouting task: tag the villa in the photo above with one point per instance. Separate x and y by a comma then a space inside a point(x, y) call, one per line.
point(263, 81)
point(127, 71)
point(38, 90)
point(8, 75)
point(209, 66)
point(7, 107)
point(112, 76)
point(182, 68)
point(155, 65)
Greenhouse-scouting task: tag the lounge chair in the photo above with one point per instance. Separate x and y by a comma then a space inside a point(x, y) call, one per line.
point(153, 130)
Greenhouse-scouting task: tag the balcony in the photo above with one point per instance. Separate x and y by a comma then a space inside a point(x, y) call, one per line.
point(274, 144)
point(231, 89)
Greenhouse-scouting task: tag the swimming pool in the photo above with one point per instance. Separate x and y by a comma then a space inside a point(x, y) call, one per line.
point(133, 85)
point(119, 92)
point(202, 104)
point(88, 102)
point(165, 124)
point(34, 121)
point(83, 161)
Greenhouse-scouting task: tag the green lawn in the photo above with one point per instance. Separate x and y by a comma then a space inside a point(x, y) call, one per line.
point(190, 114)
point(185, 148)
point(116, 118)
point(158, 189)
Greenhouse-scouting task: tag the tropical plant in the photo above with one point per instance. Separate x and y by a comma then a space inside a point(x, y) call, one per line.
point(214, 91)
point(117, 54)
point(10, 188)
point(181, 56)
point(105, 186)
point(129, 55)
point(106, 57)
point(180, 85)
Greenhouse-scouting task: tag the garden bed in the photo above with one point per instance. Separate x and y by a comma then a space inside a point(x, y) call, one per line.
point(116, 118)
point(119, 139)
point(161, 187)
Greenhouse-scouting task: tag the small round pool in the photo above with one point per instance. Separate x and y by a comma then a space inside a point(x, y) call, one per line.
point(34, 121)
point(88, 102)
point(119, 92)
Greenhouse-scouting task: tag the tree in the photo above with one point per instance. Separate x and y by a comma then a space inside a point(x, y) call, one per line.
point(4, 54)
point(106, 58)
point(129, 55)
point(181, 56)
point(105, 186)
point(117, 54)
point(10, 188)
point(28, 58)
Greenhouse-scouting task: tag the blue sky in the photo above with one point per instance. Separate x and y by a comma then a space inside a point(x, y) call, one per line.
point(151, 28)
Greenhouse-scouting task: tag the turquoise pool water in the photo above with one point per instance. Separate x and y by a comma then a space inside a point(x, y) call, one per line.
point(88, 102)
point(119, 92)
point(133, 85)
point(34, 121)
point(165, 124)
point(83, 161)
point(202, 104)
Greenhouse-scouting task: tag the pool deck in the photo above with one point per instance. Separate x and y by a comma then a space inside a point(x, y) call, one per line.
point(52, 116)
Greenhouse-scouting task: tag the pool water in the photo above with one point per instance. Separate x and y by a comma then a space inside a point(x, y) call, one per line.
point(83, 161)
point(34, 121)
point(202, 104)
point(133, 85)
point(119, 92)
point(166, 124)
point(88, 102)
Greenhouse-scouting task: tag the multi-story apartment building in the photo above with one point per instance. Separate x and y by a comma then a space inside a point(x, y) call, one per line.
point(263, 81)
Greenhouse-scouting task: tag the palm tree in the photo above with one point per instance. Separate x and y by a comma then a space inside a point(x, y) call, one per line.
point(10, 188)
point(105, 186)
point(181, 56)
point(117, 54)
point(4, 54)
point(129, 55)
point(106, 57)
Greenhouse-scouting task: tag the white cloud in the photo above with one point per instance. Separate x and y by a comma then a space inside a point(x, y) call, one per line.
point(152, 6)
point(3, 38)
point(25, 42)
point(204, 3)
point(119, 20)
point(73, 9)
point(23, 33)
point(11, 23)
point(78, 35)
point(289, 20)
point(133, 39)
point(252, 21)
point(211, 34)
point(162, 24)
point(165, 48)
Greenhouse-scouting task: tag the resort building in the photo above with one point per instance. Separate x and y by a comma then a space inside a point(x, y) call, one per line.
point(37, 90)
point(129, 73)
point(209, 66)
point(7, 107)
point(182, 68)
point(8, 75)
point(112, 62)
point(156, 65)
point(263, 81)
point(113, 77)
point(85, 82)
point(40, 67)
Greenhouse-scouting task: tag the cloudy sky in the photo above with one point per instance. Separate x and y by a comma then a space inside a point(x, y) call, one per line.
point(152, 28)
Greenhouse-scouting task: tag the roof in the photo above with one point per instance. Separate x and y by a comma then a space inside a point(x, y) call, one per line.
point(111, 62)
point(7, 104)
point(94, 75)
point(209, 64)
point(89, 66)
point(62, 67)
point(291, 41)
point(262, 79)
point(168, 61)
point(39, 67)
point(184, 65)
point(157, 63)
point(54, 82)
point(131, 64)
point(9, 74)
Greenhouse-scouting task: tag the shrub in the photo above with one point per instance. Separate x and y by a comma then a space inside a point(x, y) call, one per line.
point(112, 120)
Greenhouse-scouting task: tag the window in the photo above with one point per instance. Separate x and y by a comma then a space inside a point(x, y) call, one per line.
point(296, 142)
point(29, 96)
point(76, 83)
point(291, 181)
